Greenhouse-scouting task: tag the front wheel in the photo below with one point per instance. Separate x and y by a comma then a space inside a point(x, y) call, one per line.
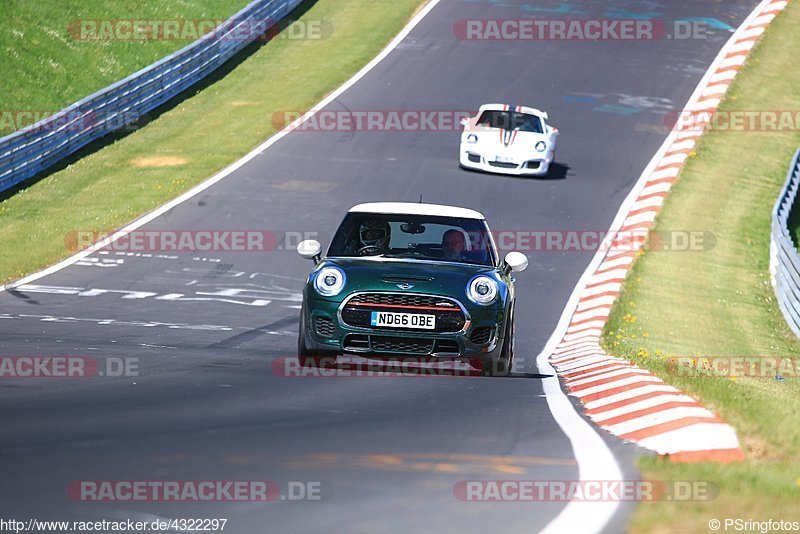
point(502, 366)
point(304, 354)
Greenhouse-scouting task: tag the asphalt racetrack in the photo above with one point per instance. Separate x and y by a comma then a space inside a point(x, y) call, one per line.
point(205, 328)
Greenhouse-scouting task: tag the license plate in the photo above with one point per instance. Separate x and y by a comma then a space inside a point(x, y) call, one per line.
point(504, 159)
point(403, 320)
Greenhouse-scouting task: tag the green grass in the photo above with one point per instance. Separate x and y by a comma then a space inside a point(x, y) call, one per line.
point(45, 66)
point(719, 302)
point(200, 136)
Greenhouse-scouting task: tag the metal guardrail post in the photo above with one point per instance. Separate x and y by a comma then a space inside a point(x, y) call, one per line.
point(784, 259)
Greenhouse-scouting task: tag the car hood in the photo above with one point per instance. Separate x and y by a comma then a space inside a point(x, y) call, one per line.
point(502, 137)
point(437, 278)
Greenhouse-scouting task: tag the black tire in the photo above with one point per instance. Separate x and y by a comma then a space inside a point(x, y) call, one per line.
point(304, 354)
point(503, 365)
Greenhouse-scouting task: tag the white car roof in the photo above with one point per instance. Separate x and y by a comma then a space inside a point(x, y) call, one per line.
point(506, 107)
point(413, 208)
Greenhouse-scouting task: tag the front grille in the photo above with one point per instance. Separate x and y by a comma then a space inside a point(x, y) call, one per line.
point(481, 335)
point(358, 310)
point(503, 164)
point(403, 299)
point(324, 326)
point(447, 346)
point(357, 342)
point(474, 158)
point(401, 344)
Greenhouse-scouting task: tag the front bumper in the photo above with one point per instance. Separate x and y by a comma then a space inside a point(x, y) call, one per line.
point(327, 333)
point(538, 165)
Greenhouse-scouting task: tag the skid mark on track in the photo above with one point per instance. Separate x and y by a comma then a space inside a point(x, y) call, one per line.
point(230, 295)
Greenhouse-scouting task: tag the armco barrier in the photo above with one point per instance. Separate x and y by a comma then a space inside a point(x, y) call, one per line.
point(31, 150)
point(784, 260)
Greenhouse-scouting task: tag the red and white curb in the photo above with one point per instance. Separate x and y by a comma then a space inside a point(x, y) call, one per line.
point(618, 396)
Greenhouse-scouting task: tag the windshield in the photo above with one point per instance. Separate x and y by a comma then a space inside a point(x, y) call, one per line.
point(413, 236)
point(511, 120)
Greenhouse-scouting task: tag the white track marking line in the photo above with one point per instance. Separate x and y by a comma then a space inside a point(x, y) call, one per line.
point(630, 381)
point(595, 369)
point(657, 418)
point(585, 363)
point(632, 394)
point(608, 299)
point(641, 405)
point(587, 351)
point(235, 166)
point(720, 436)
point(573, 349)
point(607, 374)
point(595, 461)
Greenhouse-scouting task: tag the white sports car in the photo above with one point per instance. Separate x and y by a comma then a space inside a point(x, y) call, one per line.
point(508, 140)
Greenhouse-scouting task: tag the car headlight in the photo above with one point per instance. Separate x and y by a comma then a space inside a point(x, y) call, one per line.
point(482, 290)
point(329, 281)
point(472, 139)
point(541, 146)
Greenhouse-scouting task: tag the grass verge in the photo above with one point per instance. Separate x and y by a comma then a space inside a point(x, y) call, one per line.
point(719, 302)
point(201, 135)
point(47, 52)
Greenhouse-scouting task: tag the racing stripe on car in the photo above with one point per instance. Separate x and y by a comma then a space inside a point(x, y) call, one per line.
point(620, 397)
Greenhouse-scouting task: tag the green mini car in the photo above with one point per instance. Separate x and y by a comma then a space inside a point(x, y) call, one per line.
point(407, 280)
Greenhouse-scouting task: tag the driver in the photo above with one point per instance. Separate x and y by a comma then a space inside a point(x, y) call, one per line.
point(373, 236)
point(453, 245)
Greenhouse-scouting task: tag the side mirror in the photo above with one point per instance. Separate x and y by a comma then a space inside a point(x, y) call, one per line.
point(465, 121)
point(310, 250)
point(516, 262)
